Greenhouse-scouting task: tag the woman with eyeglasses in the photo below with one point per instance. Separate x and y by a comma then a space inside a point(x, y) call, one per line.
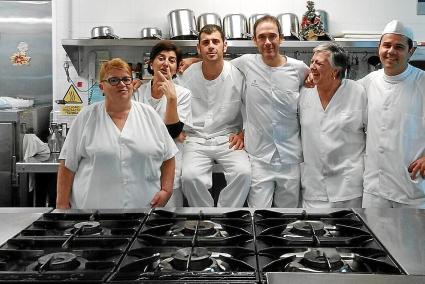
point(171, 101)
point(118, 153)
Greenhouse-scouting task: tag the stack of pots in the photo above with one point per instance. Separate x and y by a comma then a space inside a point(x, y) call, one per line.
point(182, 24)
point(252, 21)
point(208, 19)
point(235, 26)
point(290, 25)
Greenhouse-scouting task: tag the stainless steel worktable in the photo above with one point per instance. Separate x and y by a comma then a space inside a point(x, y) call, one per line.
point(46, 164)
point(39, 164)
point(13, 220)
point(402, 232)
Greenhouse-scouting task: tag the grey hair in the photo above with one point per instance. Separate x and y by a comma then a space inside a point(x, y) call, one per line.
point(338, 57)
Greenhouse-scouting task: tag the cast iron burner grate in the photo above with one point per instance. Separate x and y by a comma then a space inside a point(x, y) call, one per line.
point(87, 228)
point(341, 228)
point(170, 229)
point(85, 225)
point(188, 263)
point(57, 261)
point(342, 260)
point(307, 228)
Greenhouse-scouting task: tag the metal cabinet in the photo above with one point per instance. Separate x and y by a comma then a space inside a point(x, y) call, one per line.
point(7, 158)
point(14, 123)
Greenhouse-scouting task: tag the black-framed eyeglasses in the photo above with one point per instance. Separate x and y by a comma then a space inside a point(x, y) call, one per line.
point(113, 81)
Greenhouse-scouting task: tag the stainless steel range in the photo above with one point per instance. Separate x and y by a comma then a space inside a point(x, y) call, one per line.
point(192, 246)
point(319, 243)
point(70, 247)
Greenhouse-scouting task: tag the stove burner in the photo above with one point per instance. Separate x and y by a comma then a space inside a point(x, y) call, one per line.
point(86, 228)
point(58, 261)
point(317, 259)
point(308, 228)
point(205, 228)
point(199, 260)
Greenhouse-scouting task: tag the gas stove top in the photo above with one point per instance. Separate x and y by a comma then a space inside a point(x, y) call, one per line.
point(161, 246)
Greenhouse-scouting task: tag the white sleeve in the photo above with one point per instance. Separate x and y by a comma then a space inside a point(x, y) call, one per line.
point(184, 106)
point(241, 62)
point(71, 150)
point(170, 148)
point(303, 71)
point(237, 62)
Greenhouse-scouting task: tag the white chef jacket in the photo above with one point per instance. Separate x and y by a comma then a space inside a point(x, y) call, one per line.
point(272, 94)
point(333, 143)
point(183, 95)
point(216, 104)
point(184, 111)
point(116, 169)
point(396, 134)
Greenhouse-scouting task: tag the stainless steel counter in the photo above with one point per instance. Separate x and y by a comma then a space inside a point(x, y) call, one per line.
point(13, 220)
point(39, 164)
point(30, 172)
point(402, 232)
point(338, 278)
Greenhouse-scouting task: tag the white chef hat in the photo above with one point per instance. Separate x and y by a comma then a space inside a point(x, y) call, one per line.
point(397, 27)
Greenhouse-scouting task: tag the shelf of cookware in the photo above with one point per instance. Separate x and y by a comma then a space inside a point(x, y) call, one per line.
point(79, 50)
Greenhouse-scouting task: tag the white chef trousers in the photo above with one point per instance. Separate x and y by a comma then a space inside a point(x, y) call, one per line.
point(375, 201)
point(198, 161)
point(277, 185)
point(351, 203)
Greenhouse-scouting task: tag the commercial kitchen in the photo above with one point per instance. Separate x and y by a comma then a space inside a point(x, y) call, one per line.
point(51, 53)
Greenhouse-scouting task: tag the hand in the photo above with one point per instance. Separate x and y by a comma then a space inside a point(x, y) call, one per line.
point(160, 198)
point(308, 82)
point(416, 167)
point(166, 86)
point(181, 137)
point(185, 63)
point(236, 141)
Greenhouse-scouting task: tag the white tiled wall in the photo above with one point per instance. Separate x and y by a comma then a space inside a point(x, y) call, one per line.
point(75, 18)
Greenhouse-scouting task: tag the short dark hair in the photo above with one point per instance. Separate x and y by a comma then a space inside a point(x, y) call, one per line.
point(209, 29)
point(338, 57)
point(161, 46)
point(268, 18)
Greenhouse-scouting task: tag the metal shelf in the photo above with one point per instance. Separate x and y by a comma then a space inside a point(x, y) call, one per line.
point(78, 49)
point(370, 43)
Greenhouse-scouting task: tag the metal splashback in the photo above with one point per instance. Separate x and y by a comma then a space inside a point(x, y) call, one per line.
point(29, 22)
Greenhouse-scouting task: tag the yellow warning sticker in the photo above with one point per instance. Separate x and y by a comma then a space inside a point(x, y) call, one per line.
point(71, 96)
point(71, 109)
